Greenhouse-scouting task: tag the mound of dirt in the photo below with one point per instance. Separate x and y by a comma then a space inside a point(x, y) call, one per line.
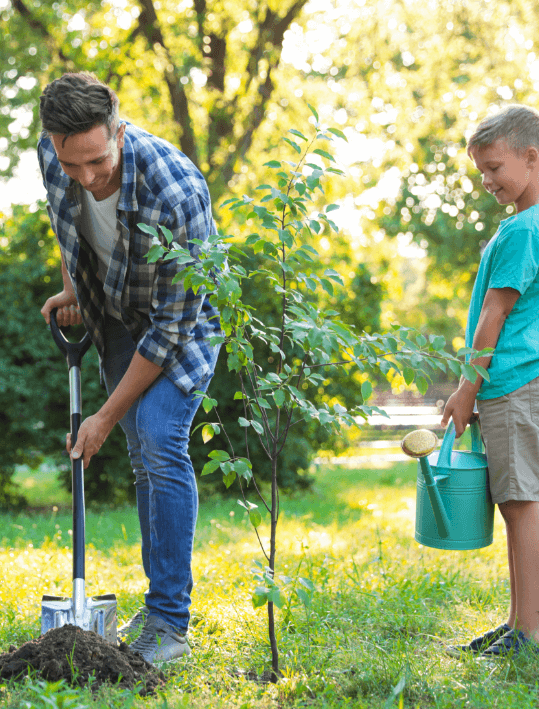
point(81, 657)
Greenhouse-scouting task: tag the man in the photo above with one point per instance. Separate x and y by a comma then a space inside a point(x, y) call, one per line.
point(103, 177)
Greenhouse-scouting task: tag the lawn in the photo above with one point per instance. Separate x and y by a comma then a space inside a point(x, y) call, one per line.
point(370, 638)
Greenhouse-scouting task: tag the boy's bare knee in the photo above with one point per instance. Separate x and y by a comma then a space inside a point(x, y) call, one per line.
point(514, 509)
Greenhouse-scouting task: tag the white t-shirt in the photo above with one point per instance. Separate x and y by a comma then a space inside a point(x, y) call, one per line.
point(100, 229)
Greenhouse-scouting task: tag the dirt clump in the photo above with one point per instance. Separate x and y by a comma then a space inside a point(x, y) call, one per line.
point(81, 658)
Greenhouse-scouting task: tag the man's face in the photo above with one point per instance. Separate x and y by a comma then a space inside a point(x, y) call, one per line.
point(506, 173)
point(92, 158)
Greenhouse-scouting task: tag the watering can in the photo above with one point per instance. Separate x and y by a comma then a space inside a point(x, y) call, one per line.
point(454, 508)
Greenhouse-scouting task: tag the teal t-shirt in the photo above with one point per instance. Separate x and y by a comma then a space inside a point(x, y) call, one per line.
point(511, 260)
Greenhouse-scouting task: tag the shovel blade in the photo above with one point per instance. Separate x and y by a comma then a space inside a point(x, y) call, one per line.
point(99, 615)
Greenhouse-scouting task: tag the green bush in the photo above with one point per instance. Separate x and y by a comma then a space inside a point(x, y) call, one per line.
point(34, 387)
point(34, 390)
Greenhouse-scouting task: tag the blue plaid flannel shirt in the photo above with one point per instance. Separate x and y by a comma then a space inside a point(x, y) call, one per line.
point(160, 185)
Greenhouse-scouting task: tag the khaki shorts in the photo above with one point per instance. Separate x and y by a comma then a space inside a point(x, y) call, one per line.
point(510, 430)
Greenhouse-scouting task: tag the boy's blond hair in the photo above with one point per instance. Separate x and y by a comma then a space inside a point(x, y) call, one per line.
point(517, 124)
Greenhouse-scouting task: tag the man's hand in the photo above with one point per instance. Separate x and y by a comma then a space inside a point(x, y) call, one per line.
point(68, 310)
point(460, 406)
point(92, 434)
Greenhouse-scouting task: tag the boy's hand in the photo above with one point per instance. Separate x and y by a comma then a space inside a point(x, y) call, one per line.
point(459, 406)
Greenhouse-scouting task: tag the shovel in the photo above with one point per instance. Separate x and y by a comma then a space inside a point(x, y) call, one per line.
point(97, 613)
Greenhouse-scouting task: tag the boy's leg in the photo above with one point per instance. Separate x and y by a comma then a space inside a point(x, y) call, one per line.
point(510, 430)
point(522, 520)
point(511, 564)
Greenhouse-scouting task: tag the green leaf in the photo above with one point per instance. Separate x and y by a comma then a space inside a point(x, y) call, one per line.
point(243, 468)
point(155, 253)
point(338, 133)
point(208, 404)
point(243, 422)
point(332, 208)
point(272, 163)
point(454, 366)
point(313, 111)
point(257, 427)
point(366, 390)
point(167, 234)
point(324, 154)
point(275, 597)
point(296, 132)
point(482, 371)
point(207, 432)
point(219, 455)
point(330, 273)
point(422, 385)
point(304, 597)
point(210, 467)
point(229, 479)
point(279, 397)
point(294, 145)
point(408, 374)
point(255, 518)
point(468, 372)
point(306, 582)
point(327, 285)
point(148, 230)
point(438, 343)
point(259, 597)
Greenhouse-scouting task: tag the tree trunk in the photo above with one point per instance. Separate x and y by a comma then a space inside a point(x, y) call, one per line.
point(273, 549)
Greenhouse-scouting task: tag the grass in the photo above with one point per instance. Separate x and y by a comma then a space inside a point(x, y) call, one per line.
point(370, 637)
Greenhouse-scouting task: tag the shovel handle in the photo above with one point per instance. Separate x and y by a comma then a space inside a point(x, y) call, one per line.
point(72, 351)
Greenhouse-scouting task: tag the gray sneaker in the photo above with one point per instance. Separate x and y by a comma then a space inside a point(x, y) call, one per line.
point(132, 627)
point(159, 642)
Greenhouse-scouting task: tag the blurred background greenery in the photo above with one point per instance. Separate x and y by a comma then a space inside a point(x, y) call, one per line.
point(405, 81)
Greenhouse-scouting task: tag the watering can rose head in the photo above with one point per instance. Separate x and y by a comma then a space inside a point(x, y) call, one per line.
point(420, 443)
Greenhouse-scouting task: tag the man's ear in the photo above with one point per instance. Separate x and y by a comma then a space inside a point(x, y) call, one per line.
point(121, 132)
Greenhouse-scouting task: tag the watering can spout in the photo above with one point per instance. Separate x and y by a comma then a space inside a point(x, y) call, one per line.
point(420, 444)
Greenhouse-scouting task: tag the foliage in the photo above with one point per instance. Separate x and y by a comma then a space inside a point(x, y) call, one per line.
point(34, 389)
point(304, 340)
point(204, 71)
point(222, 81)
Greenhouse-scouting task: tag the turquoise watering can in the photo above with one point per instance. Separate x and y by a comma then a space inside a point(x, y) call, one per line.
point(454, 508)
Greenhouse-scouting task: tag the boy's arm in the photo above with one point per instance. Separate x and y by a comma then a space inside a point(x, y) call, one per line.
point(497, 305)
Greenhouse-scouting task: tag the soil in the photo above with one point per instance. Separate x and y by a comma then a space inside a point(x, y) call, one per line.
point(81, 658)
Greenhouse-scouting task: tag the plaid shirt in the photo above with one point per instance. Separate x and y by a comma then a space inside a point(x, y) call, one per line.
point(160, 185)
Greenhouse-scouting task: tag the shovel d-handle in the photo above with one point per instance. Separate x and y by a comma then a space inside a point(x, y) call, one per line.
point(74, 352)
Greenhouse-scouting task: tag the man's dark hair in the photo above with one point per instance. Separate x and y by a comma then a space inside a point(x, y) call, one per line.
point(75, 103)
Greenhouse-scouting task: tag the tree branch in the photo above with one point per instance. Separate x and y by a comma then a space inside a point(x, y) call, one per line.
point(40, 28)
point(149, 25)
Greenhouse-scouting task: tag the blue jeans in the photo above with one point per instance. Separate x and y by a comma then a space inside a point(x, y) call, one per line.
point(157, 430)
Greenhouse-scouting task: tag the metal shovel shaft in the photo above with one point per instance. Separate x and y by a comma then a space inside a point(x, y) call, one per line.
point(77, 477)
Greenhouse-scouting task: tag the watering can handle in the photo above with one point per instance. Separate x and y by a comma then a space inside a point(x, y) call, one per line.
point(444, 459)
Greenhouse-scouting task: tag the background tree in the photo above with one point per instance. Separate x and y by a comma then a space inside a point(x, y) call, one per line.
point(225, 80)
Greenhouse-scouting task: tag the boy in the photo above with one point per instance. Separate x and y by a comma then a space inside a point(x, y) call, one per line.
point(504, 315)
